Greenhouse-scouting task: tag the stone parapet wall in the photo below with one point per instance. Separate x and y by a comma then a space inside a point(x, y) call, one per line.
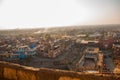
point(17, 72)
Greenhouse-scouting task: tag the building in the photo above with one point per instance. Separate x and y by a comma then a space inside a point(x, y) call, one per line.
point(118, 35)
point(95, 35)
point(88, 41)
point(106, 43)
point(116, 48)
point(92, 60)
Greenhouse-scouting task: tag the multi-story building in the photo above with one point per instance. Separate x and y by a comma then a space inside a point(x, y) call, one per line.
point(106, 43)
point(92, 60)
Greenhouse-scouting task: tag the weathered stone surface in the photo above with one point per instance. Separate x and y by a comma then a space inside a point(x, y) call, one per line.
point(47, 75)
point(26, 75)
point(17, 72)
point(68, 78)
point(1, 71)
point(9, 73)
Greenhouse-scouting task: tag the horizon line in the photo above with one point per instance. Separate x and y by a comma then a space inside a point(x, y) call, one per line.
point(36, 27)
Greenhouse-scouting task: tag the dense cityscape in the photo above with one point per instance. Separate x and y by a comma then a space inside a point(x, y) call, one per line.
point(90, 49)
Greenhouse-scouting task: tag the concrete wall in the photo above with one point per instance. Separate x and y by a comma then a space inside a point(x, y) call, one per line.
point(16, 72)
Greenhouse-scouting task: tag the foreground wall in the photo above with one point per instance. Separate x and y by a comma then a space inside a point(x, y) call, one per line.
point(17, 72)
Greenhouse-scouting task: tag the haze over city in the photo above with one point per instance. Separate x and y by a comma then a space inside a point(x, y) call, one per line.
point(59, 39)
point(52, 13)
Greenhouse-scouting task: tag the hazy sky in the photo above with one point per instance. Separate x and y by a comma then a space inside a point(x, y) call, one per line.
point(50, 13)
